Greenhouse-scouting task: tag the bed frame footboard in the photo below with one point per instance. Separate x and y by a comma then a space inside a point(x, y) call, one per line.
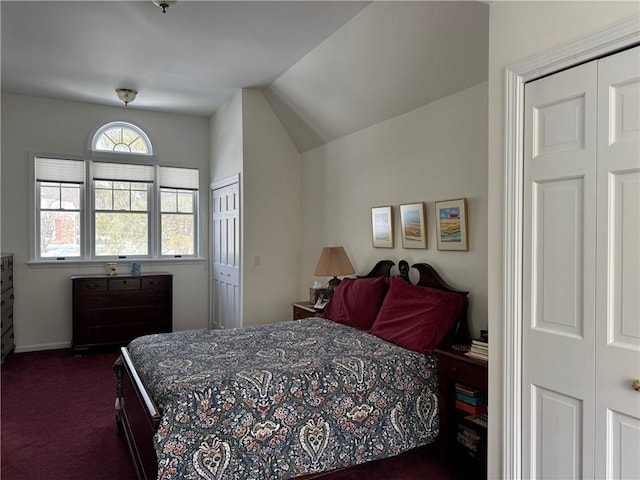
point(137, 417)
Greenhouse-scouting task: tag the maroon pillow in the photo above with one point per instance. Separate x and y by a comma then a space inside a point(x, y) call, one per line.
point(416, 318)
point(356, 302)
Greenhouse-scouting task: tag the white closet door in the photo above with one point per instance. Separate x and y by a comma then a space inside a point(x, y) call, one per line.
point(618, 274)
point(226, 256)
point(559, 275)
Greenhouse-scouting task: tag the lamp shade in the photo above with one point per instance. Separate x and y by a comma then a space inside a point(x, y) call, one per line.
point(333, 261)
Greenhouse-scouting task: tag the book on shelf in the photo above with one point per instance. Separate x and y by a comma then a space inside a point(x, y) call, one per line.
point(481, 356)
point(477, 346)
point(477, 400)
point(468, 438)
point(467, 390)
point(478, 350)
point(479, 419)
point(472, 409)
point(480, 344)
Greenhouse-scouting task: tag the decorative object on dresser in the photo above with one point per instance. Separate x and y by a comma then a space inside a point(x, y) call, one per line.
point(333, 261)
point(8, 344)
point(115, 309)
point(413, 225)
point(451, 225)
point(462, 386)
point(382, 226)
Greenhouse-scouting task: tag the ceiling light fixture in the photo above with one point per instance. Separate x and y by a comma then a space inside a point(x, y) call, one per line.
point(126, 95)
point(164, 4)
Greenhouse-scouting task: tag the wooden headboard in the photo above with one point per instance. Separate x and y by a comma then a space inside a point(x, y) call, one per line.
point(429, 277)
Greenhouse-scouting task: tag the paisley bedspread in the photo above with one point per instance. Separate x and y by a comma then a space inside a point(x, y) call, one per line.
point(282, 400)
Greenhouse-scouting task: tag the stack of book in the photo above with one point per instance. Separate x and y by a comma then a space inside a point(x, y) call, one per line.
point(480, 346)
point(470, 400)
point(474, 403)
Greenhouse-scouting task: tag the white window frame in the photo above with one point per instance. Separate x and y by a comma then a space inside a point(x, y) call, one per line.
point(138, 173)
point(95, 138)
point(184, 181)
point(36, 209)
point(87, 216)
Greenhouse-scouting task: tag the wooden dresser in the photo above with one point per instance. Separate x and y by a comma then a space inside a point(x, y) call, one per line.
point(115, 309)
point(7, 305)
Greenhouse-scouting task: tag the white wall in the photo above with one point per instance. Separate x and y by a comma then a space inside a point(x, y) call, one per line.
point(436, 152)
point(519, 30)
point(226, 139)
point(248, 138)
point(271, 194)
point(42, 309)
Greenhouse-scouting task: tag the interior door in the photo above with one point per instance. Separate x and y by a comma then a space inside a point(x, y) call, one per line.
point(618, 274)
point(559, 275)
point(226, 256)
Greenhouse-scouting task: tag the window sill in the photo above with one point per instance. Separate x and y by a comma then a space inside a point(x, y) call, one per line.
point(121, 261)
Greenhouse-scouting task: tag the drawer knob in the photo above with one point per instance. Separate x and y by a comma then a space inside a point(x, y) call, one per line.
point(454, 370)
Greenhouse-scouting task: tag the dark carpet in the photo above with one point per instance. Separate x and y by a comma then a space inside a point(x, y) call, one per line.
point(58, 422)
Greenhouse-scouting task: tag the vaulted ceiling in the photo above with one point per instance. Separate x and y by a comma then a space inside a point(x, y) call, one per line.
point(327, 68)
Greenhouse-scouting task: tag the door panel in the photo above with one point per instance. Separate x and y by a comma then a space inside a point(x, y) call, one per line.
point(618, 279)
point(559, 275)
point(225, 210)
point(558, 421)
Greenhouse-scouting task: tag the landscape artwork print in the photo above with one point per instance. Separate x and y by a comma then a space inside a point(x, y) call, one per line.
point(451, 219)
point(412, 220)
point(382, 226)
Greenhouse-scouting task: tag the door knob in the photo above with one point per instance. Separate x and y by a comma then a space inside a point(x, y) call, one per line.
point(636, 385)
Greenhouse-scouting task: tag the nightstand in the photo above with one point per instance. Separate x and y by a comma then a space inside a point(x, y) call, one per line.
point(303, 309)
point(458, 432)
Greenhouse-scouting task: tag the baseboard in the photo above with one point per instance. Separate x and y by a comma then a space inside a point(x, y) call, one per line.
point(43, 346)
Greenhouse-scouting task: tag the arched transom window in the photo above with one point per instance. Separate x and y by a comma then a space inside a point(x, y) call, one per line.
point(121, 137)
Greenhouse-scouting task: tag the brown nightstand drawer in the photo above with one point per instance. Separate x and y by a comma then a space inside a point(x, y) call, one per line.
point(302, 310)
point(463, 372)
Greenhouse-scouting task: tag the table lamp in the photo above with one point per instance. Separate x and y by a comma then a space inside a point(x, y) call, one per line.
point(333, 261)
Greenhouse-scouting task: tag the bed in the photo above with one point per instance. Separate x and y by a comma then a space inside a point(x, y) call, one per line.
point(293, 399)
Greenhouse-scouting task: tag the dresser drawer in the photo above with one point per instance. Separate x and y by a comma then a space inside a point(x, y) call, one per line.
point(7, 320)
point(90, 286)
point(7, 343)
point(114, 334)
point(118, 284)
point(6, 276)
point(156, 283)
point(123, 316)
point(6, 300)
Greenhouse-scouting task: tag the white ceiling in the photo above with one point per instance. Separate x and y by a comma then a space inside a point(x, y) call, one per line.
point(327, 68)
point(189, 60)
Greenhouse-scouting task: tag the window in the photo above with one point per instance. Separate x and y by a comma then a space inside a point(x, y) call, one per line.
point(133, 211)
point(121, 209)
point(178, 202)
point(121, 137)
point(59, 195)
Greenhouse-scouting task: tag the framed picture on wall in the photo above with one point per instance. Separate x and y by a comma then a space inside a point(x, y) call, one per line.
point(382, 226)
point(413, 225)
point(451, 224)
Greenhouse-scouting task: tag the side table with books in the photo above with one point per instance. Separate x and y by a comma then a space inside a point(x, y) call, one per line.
point(463, 384)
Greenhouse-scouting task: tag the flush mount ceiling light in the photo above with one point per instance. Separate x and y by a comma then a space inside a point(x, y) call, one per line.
point(164, 4)
point(126, 95)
